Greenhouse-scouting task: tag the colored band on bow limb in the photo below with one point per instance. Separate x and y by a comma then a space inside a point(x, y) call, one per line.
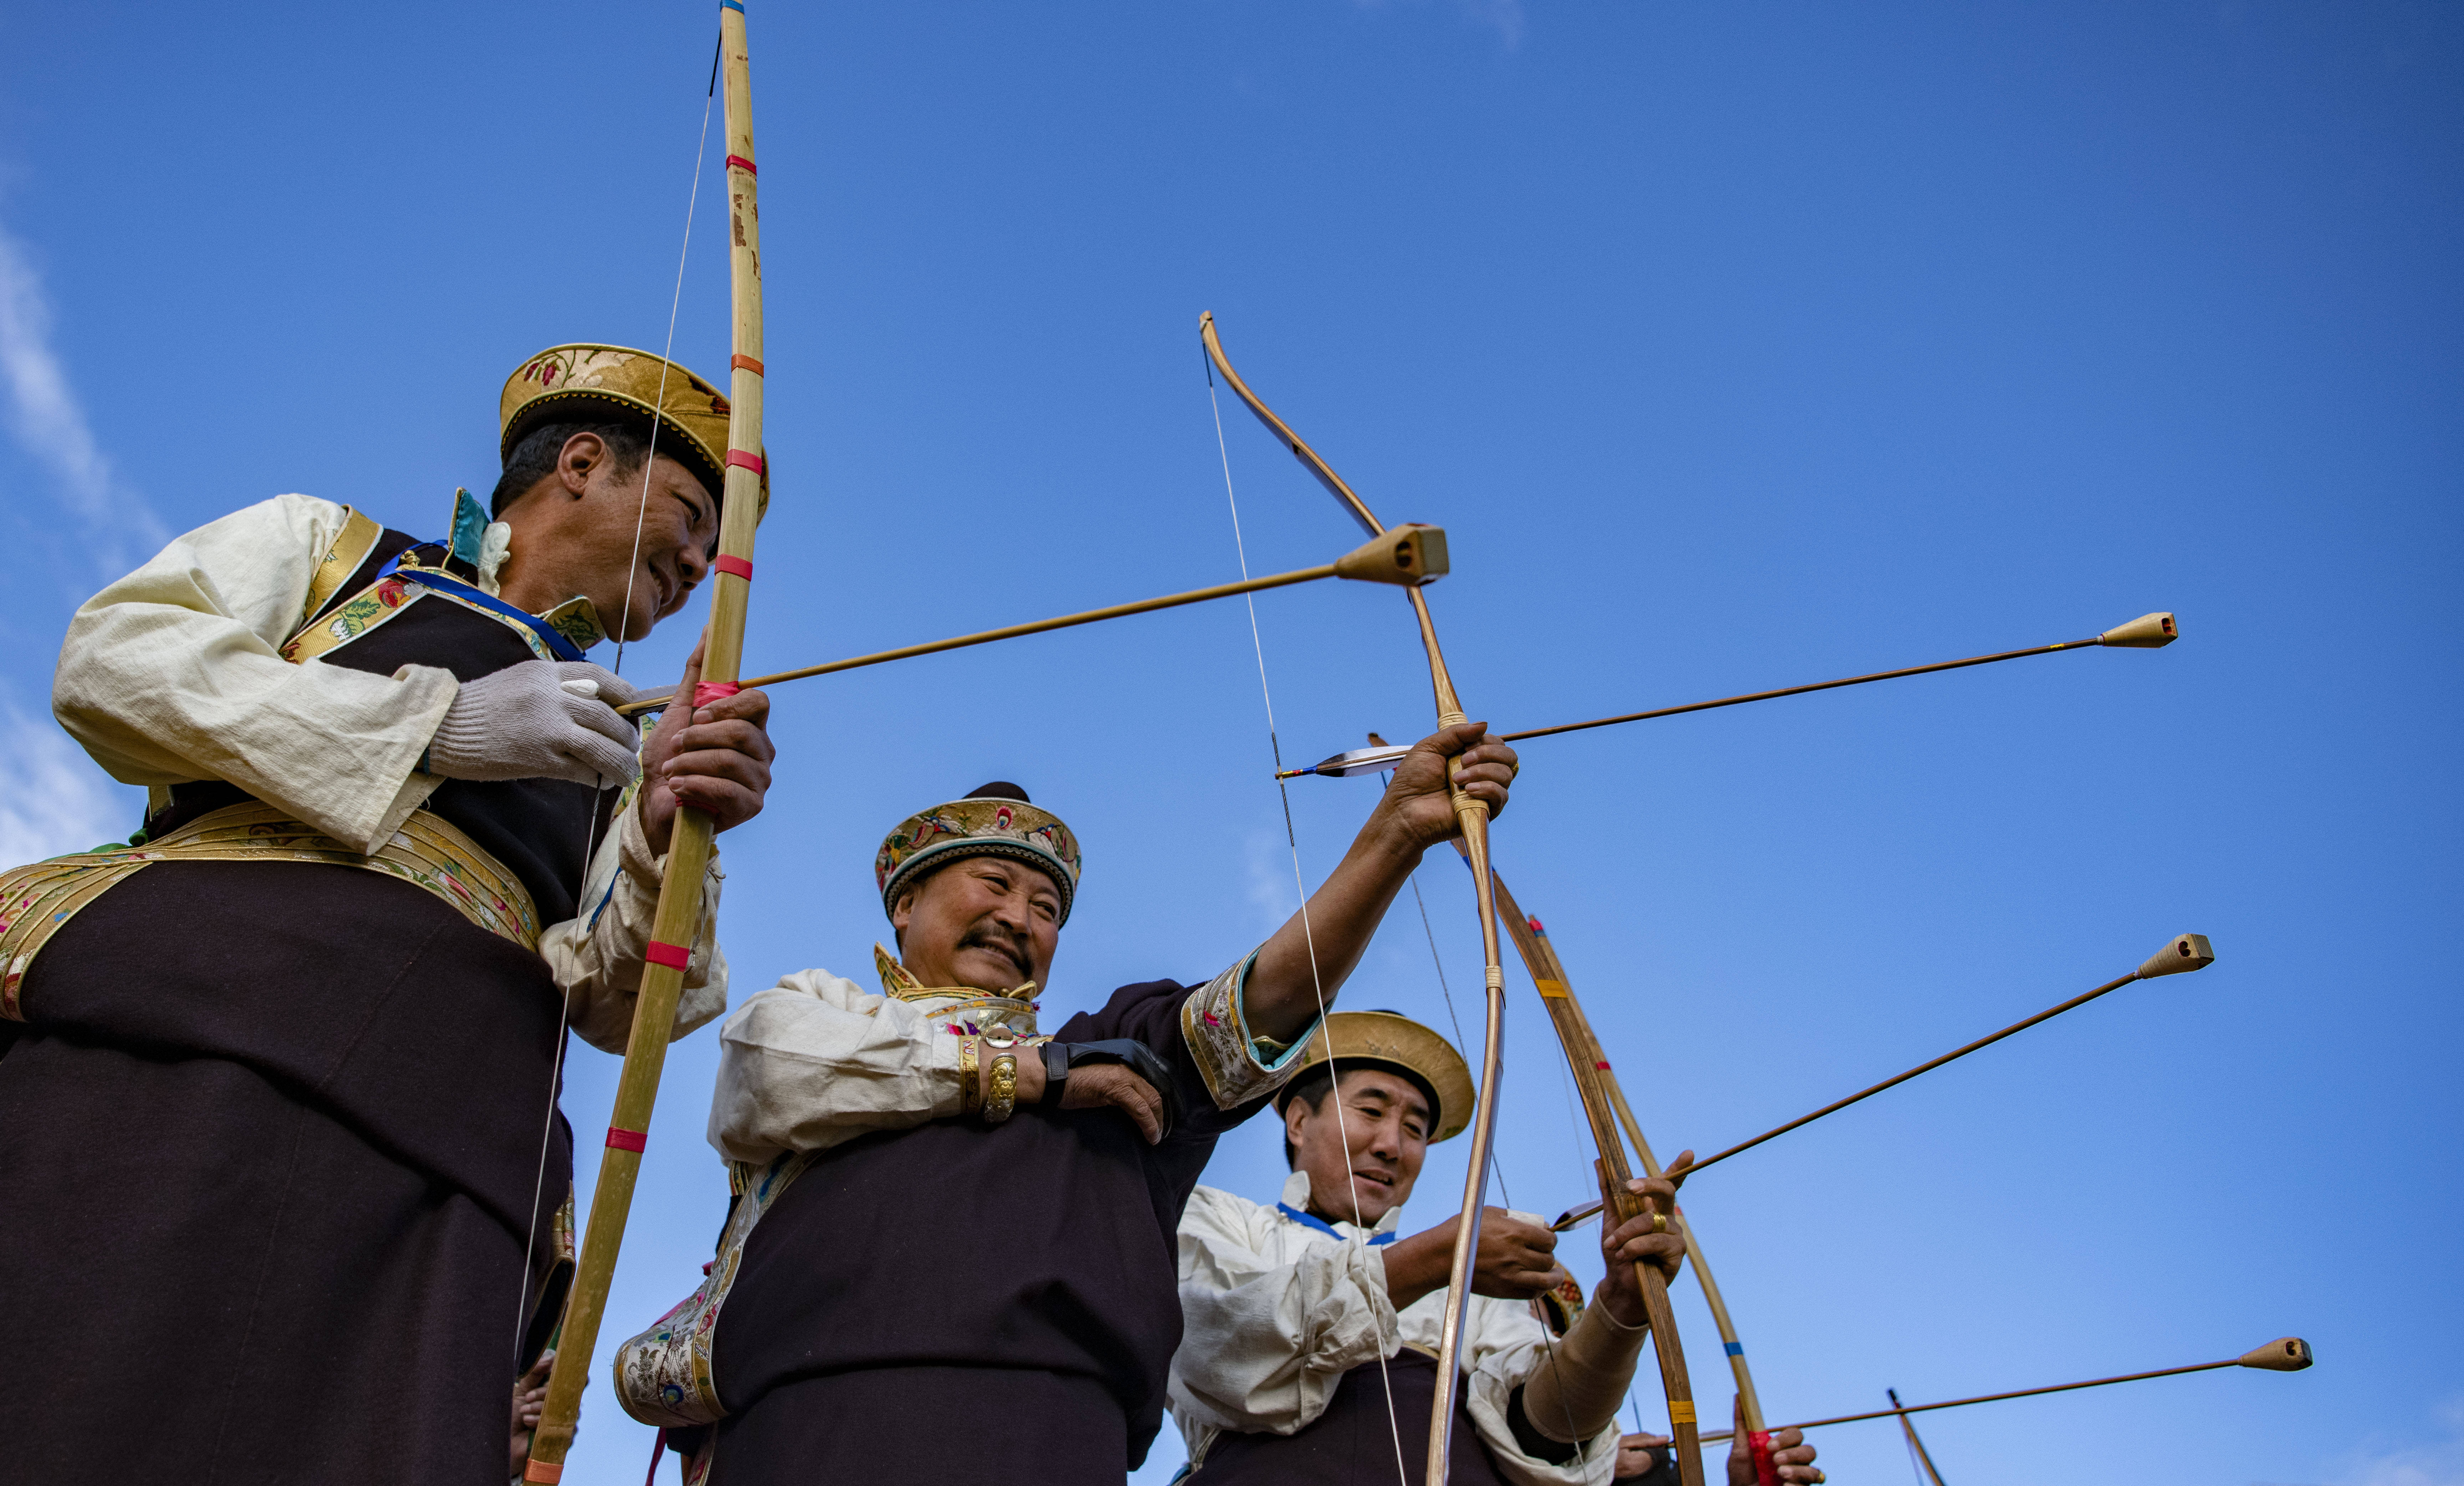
point(2147, 631)
point(1601, 1100)
point(677, 919)
point(1408, 556)
point(1549, 973)
point(2284, 1354)
point(1472, 818)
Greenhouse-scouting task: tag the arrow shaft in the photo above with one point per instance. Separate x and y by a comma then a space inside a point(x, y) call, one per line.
point(1795, 691)
point(1995, 1398)
point(1895, 1079)
point(1013, 632)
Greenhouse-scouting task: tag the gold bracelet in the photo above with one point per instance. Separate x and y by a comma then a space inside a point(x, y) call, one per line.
point(969, 1095)
point(1004, 1098)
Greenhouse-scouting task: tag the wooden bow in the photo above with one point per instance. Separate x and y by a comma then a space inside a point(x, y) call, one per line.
point(1604, 1106)
point(677, 920)
point(1473, 817)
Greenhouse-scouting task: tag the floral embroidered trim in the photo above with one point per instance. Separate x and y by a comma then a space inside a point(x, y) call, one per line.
point(428, 853)
point(663, 1376)
point(1236, 1066)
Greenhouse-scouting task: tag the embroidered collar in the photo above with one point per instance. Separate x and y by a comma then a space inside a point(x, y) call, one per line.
point(1312, 1220)
point(899, 984)
point(1296, 1191)
point(565, 629)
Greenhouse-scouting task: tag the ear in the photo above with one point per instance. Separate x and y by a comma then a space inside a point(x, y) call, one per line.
point(581, 454)
point(1295, 1115)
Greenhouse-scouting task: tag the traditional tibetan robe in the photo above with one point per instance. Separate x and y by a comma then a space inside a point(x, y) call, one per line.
point(280, 1098)
point(906, 1293)
point(1278, 1378)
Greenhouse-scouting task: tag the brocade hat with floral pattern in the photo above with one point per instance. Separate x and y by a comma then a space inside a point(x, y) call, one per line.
point(996, 820)
point(580, 384)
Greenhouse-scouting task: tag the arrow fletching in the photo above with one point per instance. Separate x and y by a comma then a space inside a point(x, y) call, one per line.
point(1359, 761)
point(2187, 952)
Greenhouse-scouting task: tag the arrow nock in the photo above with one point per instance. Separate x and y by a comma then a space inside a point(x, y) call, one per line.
point(1410, 555)
point(2284, 1354)
point(2187, 952)
point(2147, 631)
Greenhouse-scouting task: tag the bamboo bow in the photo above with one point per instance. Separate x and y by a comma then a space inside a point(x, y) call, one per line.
point(1474, 819)
point(677, 920)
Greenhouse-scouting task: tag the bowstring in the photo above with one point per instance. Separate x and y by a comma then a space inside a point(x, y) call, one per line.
point(624, 623)
point(1309, 936)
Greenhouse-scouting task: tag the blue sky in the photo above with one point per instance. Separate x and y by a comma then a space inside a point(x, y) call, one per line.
point(1734, 346)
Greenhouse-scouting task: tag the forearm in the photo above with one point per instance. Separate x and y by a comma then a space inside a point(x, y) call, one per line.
point(813, 1062)
point(172, 673)
point(1574, 1391)
point(1283, 994)
point(1419, 1265)
point(598, 957)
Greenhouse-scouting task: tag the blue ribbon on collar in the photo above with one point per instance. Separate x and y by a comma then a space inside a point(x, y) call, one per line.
point(556, 644)
point(1312, 1220)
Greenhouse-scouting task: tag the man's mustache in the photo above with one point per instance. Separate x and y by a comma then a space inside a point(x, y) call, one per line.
point(986, 936)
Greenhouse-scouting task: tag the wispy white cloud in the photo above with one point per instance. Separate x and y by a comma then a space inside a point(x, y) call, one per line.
point(1504, 16)
point(1268, 871)
point(52, 797)
point(2439, 1463)
point(45, 419)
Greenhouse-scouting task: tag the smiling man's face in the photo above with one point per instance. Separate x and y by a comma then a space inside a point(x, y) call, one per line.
point(987, 922)
point(635, 542)
point(1363, 1143)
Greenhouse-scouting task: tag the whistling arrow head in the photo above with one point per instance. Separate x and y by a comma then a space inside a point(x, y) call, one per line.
point(2147, 631)
point(1410, 555)
point(2284, 1354)
point(2187, 952)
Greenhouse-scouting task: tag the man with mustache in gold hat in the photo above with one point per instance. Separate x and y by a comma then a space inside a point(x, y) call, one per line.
point(1312, 1325)
point(283, 1170)
point(950, 1258)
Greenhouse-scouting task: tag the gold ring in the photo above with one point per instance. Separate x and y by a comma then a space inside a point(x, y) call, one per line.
point(1659, 1221)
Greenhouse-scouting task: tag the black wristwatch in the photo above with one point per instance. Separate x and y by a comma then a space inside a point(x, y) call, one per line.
point(1059, 1058)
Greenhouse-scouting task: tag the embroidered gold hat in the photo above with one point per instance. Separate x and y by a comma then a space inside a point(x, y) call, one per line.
point(1391, 1040)
point(580, 383)
point(996, 820)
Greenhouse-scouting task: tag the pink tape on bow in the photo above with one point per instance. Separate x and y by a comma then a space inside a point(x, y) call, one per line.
point(707, 692)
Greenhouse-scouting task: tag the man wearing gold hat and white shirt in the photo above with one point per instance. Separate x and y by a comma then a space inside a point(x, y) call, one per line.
point(951, 1255)
point(280, 1076)
point(1312, 1325)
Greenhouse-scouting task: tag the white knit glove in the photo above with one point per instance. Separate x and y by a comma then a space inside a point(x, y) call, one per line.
point(539, 720)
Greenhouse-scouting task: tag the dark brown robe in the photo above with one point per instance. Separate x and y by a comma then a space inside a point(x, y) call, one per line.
point(271, 1148)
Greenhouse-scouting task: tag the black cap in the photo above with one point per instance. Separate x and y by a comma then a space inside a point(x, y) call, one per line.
point(999, 789)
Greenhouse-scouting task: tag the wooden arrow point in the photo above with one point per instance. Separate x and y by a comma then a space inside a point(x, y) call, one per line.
point(2187, 952)
point(2147, 631)
point(2284, 1354)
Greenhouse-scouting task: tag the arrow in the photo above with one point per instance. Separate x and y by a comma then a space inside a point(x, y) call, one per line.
point(2183, 953)
point(2147, 631)
point(1408, 556)
point(1916, 1446)
point(2284, 1354)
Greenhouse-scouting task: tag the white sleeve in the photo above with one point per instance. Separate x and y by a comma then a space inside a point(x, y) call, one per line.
point(1504, 1344)
point(597, 958)
point(171, 675)
point(1264, 1346)
point(815, 1060)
